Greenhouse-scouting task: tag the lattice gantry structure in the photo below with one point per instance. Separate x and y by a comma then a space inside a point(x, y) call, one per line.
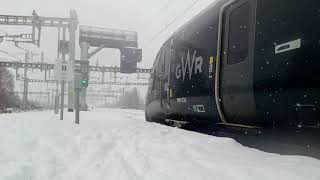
point(37, 23)
point(47, 67)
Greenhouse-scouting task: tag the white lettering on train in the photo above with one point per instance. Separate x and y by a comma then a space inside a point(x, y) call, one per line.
point(196, 64)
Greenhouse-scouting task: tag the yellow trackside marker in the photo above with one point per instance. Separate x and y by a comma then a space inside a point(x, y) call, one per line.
point(170, 93)
point(211, 60)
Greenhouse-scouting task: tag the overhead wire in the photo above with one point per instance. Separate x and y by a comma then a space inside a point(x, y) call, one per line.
point(170, 23)
point(164, 7)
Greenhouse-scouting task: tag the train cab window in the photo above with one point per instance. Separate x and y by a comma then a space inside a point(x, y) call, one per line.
point(161, 63)
point(166, 62)
point(155, 71)
point(158, 72)
point(238, 41)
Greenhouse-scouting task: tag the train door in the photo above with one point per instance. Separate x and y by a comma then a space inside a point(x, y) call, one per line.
point(236, 89)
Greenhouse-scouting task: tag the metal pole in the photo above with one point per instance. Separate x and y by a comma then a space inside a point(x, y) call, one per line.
point(64, 38)
point(62, 100)
point(25, 84)
point(48, 94)
point(58, 43)
point(40, 97)
point(17, 73)
point(51, 96)
point(84, 57)
point(62, 82)
point(57, 104)
point(77, 106)
point(56, 99)
point(77, 88)
point(72, 44)
point(27, 91)
point(102, 77)
point(115, 74)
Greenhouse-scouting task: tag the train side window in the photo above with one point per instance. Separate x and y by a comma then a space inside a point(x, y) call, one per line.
point(238, 41)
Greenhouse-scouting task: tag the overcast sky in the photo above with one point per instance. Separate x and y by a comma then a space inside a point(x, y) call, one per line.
point(147, 17)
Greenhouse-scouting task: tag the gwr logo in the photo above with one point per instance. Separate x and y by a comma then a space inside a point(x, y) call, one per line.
point(195, 66)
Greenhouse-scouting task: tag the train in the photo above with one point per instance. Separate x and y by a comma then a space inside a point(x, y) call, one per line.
point(250, 63)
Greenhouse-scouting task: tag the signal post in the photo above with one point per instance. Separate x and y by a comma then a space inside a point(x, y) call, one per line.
point(79, 83)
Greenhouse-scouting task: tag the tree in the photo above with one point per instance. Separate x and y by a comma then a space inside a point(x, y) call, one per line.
point(131, 99)
point(7, 96)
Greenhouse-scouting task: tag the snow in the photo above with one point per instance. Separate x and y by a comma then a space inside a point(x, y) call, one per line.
point(119, 144)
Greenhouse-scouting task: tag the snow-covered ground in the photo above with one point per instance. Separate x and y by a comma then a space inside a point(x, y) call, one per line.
point(119, 144)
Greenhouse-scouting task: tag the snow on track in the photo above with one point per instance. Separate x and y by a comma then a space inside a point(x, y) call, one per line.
point(119, 144)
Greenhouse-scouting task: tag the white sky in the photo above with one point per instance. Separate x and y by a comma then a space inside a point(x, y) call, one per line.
point(147, 17)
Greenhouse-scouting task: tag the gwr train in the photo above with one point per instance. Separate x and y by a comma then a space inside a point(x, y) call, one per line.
point(241, 62)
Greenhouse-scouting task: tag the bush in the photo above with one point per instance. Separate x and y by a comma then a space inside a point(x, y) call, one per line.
point(7, 97)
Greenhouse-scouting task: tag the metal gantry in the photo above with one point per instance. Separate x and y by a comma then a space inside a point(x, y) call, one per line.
point(48, 66)
point(90, 82)
point(34, 20)
point(37, 22)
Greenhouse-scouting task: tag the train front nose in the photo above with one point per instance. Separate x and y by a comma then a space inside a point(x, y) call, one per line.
point(287, 61)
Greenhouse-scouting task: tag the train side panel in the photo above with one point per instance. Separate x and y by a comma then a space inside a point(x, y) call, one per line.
point(287, 66)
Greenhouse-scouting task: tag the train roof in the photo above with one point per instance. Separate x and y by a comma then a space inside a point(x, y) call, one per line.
point(204, 14)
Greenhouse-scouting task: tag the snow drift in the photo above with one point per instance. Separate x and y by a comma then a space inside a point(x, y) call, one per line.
point(119, 144)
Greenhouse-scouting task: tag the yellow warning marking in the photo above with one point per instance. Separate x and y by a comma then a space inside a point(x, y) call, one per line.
point(211, 60)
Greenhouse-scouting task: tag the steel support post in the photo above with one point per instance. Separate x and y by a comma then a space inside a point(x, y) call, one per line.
point(25, 84)
point(62, 82)
point(72, 43)
point(102, 79)
point(56, 104)
point(56, 97)
point(77, 104)
point(84, 57)
point(48, 98)
point(62, 100)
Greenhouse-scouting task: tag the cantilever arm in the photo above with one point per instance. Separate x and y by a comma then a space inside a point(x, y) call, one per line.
point(95, 51)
